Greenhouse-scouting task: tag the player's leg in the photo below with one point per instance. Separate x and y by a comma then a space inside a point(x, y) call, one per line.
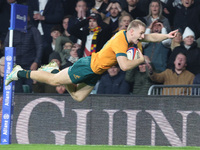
point(40, 75)
point(80, 91)
point(60, 78)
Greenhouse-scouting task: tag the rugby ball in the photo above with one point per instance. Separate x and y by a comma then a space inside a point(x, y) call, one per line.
point(132, 53)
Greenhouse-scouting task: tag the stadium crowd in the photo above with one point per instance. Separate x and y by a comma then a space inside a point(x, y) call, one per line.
point(66, 30)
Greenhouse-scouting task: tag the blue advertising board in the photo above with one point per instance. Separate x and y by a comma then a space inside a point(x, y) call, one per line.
point(8, 95)
point(18, 21)
point(18, 17)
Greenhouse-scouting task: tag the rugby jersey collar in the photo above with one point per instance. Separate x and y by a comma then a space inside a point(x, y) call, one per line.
point(126, 39)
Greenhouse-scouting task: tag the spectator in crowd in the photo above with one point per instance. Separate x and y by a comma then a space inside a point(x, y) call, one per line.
point(44, 15)
point(139, 78)
point(187, 14)
point(112, 20)
point(99, 7)
point(65, 52)
point(65, 37)
point(65, 26)
point(49, 48)
point(80, 14)
point(72, 57)
point(61, 89)
point(157, 52)
point(175, 76)
point(168, 9)
point(55, 33)
point(155, 13)
point(124, 21)
point(189, 47)
point(45, 88)
point(113, 82)
point(133, 9)
point(94, 37)
point(177, 40)
point(28, 50)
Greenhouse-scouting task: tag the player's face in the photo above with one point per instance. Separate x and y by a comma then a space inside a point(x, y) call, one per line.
point(137, 34)
point(92, 23)
point(154, 8)
point(188, 40)
point(180, 62)
point(187, 3)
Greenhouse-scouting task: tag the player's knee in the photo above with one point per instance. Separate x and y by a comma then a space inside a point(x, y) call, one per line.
point(78, 98)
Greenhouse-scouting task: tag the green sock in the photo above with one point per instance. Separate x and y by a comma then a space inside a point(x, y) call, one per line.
point(54, 71)
point(24, 74)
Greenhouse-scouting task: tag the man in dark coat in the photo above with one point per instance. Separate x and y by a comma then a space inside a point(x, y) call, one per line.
point(187, 15)
point(45, 14)
point(190, 49)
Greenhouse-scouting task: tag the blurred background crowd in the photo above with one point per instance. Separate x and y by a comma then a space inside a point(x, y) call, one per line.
point(66, 30)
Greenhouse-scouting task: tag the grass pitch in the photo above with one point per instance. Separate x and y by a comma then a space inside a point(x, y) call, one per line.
point(88, 147)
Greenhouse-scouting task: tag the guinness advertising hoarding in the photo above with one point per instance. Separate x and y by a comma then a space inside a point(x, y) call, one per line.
point(106, 120)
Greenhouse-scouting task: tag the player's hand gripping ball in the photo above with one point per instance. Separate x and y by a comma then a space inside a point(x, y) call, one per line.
point(132, 53)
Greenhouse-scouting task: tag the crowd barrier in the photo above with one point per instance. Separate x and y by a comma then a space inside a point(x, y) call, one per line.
point(189, 90)
point(106, 120)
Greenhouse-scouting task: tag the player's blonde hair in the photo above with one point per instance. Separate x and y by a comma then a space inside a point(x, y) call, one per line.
point(135, 24)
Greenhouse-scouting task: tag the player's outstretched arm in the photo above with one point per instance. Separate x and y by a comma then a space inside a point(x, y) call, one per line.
point(126, 64)
point(157, 37)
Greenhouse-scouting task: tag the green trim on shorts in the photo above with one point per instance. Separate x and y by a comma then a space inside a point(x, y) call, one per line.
point(81, 72)
point(121, 54)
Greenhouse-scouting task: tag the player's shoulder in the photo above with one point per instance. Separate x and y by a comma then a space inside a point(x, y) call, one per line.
point(120, 35)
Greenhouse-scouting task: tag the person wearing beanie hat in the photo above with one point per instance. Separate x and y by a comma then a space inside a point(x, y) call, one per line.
point(190, 48)
point(53, 56)
point(188, 32)
point(49, 48)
